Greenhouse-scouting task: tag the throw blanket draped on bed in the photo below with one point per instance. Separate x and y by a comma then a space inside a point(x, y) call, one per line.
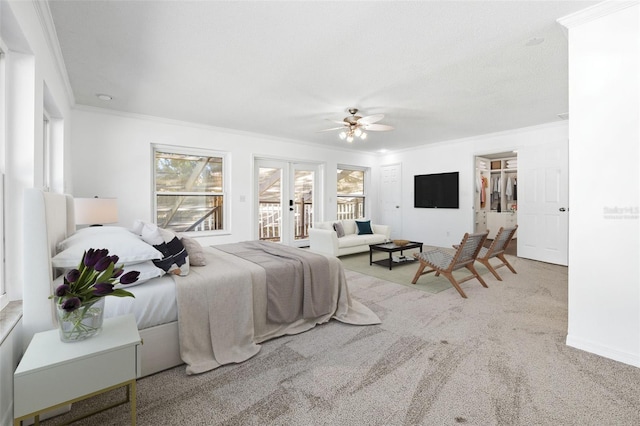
point(296, 279)
point(222, 309)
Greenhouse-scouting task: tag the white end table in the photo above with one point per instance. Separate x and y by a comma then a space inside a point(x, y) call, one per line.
point(53, 373)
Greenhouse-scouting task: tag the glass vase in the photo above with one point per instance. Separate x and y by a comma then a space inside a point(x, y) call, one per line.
point(84, 322)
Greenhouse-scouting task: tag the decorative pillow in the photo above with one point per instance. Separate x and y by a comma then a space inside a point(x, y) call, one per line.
point(337, 226)
point(194, 250)
point(129, 248)
point(364, 227)
point(175, 259)
point(147, 271)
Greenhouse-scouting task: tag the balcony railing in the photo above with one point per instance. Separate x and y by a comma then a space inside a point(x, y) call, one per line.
point(269, 221)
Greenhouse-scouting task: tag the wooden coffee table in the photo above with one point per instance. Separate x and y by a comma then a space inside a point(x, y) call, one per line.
point(392, 248)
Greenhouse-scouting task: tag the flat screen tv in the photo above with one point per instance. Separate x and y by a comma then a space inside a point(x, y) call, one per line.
point(436, 191)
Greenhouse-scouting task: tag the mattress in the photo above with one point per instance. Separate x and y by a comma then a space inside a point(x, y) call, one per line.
point(154, 303)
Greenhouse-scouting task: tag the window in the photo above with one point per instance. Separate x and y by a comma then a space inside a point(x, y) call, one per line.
point(350, 193)
point(189, 189)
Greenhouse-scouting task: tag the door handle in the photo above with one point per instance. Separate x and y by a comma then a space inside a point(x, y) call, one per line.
point(562, 209)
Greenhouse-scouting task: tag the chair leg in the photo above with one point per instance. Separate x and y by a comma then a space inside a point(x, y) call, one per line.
point(455, 284)
point(506, 262)
point(419, 272)
point(490, 267)
point(475, 274)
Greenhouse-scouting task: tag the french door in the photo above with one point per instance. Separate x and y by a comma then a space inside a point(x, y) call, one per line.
point(285, 200)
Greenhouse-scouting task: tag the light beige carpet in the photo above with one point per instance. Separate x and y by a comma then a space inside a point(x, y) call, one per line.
point(403, 273)
point(496, 358)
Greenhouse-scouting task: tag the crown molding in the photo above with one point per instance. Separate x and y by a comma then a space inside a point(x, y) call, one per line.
point(51, 37)
point(595, 12)
point(208, 127)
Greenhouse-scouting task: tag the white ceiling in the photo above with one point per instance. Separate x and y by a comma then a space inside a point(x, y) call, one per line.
point(438, 70)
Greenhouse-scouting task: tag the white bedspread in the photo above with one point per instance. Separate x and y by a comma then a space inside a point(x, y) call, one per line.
point(154, 303)
point(222, 311)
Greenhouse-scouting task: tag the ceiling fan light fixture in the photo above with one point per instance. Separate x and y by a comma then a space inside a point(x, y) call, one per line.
point(355, 126)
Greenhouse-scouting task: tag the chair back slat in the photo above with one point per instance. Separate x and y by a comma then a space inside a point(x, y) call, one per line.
point(501, 241)
point(468, 249)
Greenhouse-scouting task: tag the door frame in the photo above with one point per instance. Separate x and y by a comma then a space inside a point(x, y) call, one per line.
point(289, 166)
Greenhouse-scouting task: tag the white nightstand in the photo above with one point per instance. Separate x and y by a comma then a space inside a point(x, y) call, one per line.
point(53, 373)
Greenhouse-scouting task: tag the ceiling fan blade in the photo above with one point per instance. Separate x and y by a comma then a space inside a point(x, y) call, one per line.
point(378, 127)
point(370, 119)
point(337, 121)
point(334, 128)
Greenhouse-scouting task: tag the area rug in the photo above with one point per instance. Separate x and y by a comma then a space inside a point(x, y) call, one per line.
point(496, 358)
point(403, 273)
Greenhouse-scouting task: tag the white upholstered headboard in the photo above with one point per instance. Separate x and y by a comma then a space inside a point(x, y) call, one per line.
point(48, 219)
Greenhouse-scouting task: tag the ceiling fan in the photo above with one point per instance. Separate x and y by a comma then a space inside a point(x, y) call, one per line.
point(355, 126)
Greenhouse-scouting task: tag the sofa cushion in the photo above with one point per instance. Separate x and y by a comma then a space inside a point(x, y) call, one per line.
point(360, 240)
point(339, 229)
point(349, 226)
point(364, 227)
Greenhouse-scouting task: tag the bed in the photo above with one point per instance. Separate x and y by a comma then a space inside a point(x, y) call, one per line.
point(211, 331)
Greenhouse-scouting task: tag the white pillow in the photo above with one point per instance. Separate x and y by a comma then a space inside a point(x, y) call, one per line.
point(137, 226)
point(90, 232)
point(129, 248)
point(349, 226)
point(147, 271)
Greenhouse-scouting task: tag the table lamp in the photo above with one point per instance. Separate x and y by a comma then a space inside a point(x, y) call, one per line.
point(96, 211)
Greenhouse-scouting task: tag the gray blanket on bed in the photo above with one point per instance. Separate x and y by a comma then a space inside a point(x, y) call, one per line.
point(298, 281)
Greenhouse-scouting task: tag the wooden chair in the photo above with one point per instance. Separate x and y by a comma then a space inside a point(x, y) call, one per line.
point(496, 249)
point(443, 262)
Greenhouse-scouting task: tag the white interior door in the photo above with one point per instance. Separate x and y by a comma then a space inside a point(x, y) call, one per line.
point(285, 200)
point(391, 197)
point(543, 197)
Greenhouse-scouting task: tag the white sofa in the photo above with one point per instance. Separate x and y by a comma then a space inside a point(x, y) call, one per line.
point(324, 239)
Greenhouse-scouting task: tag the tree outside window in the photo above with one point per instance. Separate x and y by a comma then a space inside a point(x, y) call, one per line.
point(350, 193)
point(189, 190)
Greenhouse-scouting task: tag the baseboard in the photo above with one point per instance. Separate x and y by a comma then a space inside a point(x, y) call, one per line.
point(604, 351)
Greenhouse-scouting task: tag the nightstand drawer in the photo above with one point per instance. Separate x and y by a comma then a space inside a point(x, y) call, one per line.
point(46, 388)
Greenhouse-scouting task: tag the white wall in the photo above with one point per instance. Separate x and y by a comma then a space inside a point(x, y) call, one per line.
point(604, 250)
point(30, 66)
point(111, 157)
point(444, 227)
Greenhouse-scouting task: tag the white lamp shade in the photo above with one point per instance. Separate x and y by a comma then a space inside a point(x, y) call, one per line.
point(95, 211)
